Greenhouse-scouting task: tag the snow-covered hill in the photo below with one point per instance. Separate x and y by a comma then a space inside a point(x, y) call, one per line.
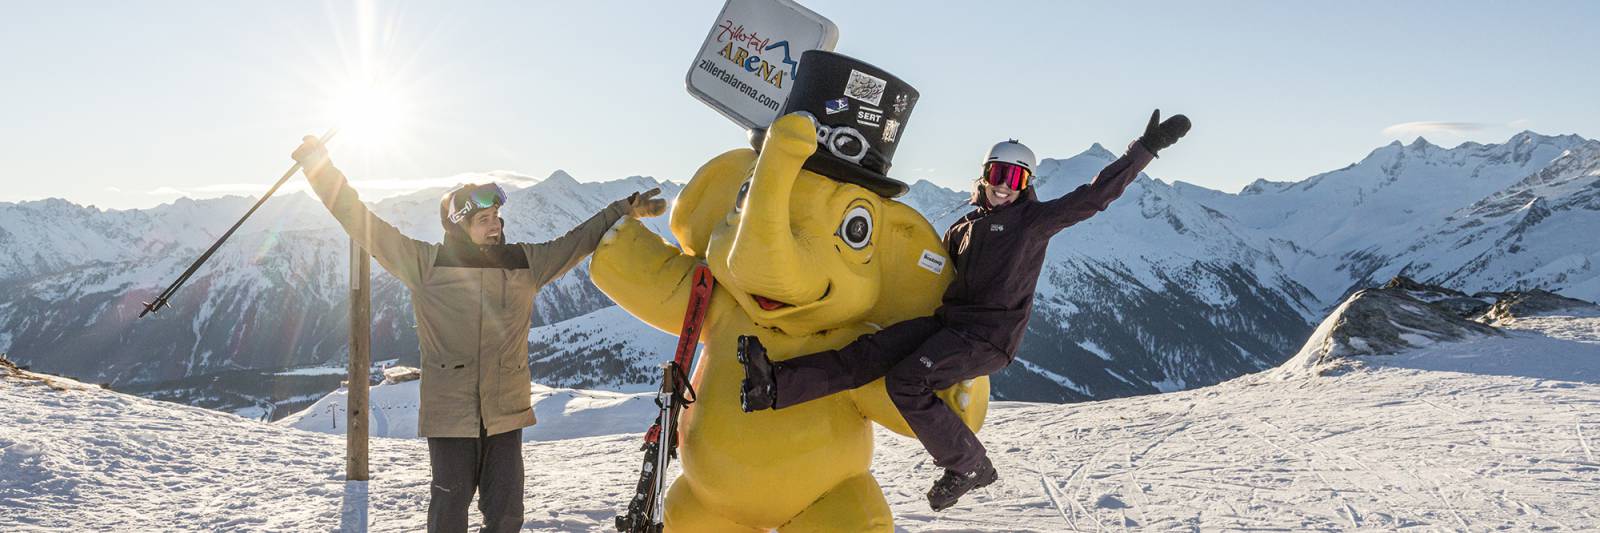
point(1492, 432)
point(607, 349)
point(562, 413)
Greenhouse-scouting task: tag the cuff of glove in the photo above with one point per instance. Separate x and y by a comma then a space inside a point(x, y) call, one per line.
point(315, 162)
point(623, 207)
point(1151, 146)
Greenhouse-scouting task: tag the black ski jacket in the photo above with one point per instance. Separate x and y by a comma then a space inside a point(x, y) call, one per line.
point(999, 252)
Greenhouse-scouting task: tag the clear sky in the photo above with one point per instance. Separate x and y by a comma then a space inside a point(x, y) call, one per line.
point(129, 104)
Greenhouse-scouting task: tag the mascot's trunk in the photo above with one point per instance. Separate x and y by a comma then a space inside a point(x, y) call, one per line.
point(766, 258)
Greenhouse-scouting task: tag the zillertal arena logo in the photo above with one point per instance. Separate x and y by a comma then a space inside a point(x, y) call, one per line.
point(745, 50)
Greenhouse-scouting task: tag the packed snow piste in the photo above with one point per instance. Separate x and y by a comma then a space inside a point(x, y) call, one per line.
point(769, 229)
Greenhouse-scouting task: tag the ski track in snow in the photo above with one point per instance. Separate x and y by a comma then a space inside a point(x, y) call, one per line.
point(1394, 445)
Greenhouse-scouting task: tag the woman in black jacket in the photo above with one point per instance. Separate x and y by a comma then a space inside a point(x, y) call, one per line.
point(998, 250)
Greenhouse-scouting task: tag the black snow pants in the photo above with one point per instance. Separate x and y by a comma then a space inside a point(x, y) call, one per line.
point(916, 358)
point(490, 465)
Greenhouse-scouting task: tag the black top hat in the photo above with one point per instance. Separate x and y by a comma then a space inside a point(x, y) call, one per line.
point(861, 113)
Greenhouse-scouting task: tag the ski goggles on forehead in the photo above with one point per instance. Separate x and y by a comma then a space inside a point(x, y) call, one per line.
point(1010, 175)
point(476, 199)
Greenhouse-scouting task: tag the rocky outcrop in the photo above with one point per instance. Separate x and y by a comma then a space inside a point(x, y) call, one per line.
point(1404, 314)
point(1532, 303)
point(1384, 321)
point(1449, 300)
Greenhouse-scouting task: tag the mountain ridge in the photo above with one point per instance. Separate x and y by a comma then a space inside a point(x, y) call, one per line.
point(1175, 286)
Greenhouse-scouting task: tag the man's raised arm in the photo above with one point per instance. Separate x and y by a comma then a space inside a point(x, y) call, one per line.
point(405, 258)
point(550, 259)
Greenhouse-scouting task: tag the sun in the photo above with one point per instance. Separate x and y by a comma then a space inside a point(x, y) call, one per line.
point(371, 115)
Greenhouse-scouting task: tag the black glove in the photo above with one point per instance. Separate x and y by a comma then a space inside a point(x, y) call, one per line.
point(1158, 135)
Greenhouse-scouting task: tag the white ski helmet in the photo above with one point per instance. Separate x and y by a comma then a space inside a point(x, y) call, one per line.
point(1012, 152)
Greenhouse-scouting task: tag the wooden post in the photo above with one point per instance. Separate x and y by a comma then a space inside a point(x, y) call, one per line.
point(355, 429)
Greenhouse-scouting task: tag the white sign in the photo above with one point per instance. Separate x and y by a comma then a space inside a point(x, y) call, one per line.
point(749, 60)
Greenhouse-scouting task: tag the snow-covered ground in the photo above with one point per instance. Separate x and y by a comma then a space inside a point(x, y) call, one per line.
point(1497, 433)
point(562, 413)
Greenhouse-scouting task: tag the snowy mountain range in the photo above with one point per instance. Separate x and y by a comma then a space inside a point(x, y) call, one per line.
point(1392, 416)
point(1176, 286)
point(273, 297)
point(1474, 217)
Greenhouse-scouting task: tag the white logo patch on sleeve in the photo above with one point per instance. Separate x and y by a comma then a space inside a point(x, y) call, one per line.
point(931, 261)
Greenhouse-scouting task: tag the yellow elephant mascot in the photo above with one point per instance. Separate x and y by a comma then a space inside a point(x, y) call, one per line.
point(771, 231)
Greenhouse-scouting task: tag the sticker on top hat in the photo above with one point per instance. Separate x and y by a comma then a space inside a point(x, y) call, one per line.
point(867, 116)
point(865, 87)
point(891, 128)
point(835, 106)
point(901, 102)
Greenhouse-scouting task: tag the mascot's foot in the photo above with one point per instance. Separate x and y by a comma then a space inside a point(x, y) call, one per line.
point(855, 505)
point(949, 488)
point(758, 391)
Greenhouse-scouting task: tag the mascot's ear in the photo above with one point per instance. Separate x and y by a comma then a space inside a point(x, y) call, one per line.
point(709, 198)
point(915, 267)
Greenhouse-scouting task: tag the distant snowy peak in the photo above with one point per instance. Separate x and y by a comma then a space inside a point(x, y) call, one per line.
point(1077, 169)
point(1572, 178)
point(1518, 147)
point(1389, 213)
point(48, 236)
point(560, 183)
point(1536, 233)
point(1097, 151)
point(924, 189)
point(1526, 139)
point(560, 177)
point(1470, 167)
point(936, 203)
point(1262, 186)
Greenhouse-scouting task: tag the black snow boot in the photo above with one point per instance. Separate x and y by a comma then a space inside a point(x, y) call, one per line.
point(758, 390)
point(953, 485)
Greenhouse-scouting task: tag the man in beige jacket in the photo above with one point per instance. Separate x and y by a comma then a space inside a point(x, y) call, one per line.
point(473, 299)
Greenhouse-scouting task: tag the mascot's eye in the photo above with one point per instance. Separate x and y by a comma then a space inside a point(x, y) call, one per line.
point(744, 192)
point(856, 230)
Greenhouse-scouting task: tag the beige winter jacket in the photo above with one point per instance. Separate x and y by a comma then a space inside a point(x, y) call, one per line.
point(472, 322)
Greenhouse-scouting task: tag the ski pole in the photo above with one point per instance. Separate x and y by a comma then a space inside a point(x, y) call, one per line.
point(161, 300)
